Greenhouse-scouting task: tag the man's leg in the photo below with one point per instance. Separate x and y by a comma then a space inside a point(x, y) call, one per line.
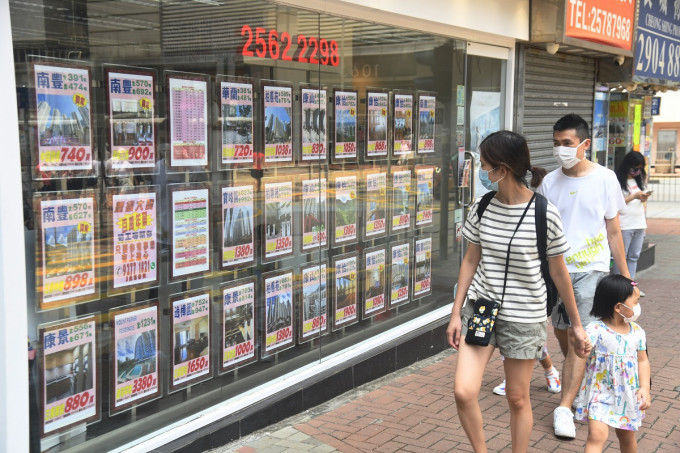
point(572, 374)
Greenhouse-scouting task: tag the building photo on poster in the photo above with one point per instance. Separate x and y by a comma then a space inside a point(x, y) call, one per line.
point(423, 267)
point(190, 232)
point(66, 257)
point(314, 124)
point(426, 122)
point(401, 197)
point(64, 119)
point(278, 124)
point(376, 204)
point(278, 216)
point(314, 214)
point(190, 338)
point(279, 316)
point(131, 105)
point(403, 124)
point(400, 274)
point(345, 208)
point(314, 313)
point(236, 116)
point(345, 297)
point(424, 195)
point(345, 124)
point(70, 393)
point(135, 376)
point(376, 116)
point(238, 323)
point(134, 223)
point(238, 233)
point(188, 109)
point(375, 293)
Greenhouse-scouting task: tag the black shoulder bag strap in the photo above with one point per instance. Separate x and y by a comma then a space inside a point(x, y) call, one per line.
point(542, 245)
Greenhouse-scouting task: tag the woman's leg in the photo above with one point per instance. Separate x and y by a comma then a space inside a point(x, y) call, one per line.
point(518, 379)
point(627, 236)
point(598, 433)
point(627, 441)
point(470, 365)
point(633, 250)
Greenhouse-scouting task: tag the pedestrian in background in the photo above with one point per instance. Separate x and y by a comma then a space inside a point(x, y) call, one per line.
point(633, 180)
point(502, 265)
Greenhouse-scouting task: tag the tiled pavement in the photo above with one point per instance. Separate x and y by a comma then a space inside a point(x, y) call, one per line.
point(414, 410)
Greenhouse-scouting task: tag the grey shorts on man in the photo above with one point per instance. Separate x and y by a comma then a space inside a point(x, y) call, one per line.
point(584, 284)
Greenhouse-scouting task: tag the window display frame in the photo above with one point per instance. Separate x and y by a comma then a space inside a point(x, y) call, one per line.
point(111, 192)
point(131, 71)
point(96, 379)
point(246, 263)
point(277, 85)
point(415, 293)
point(266, 258)
point(41, 258)
point(128, 310)
point(273, 276)
point(428, 218)
point(365, 314)
point(196, 78)
point(353, 309)
point(190, 187)
point(323, 157)
point(409, 194)
point(385, 204)
point(384, 154)
point(352, 156)
point(323, 327)
point(179, 297)
point(251, 349)
point(426, 151)
point(39, 171)
point(352, 239)
point(254, 90)
point(408, 113)
point(405, 299)
point(322, 243)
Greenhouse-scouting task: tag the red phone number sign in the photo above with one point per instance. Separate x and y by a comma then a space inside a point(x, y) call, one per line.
point(263, 43)
point(608, 22)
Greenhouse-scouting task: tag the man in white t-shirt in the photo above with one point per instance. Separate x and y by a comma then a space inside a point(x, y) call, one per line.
point(589, 198)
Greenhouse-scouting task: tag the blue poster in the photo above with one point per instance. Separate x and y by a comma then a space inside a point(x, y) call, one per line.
point(657, 45)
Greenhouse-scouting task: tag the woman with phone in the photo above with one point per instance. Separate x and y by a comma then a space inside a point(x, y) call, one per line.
point(633, 180)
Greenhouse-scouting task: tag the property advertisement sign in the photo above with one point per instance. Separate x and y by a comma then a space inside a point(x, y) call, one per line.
point(278, 213)
point(278, 124)
point(190, 232)
point(314, 302)
point(376, 204)
point(236, 103)
point(345, 124)
point(424, 195)
point(345, 295)
point(314, 124)
point(400, 275)
point(426, 122)
point(401, 190)
point(608, 22)
point(279, 317)
point(188, 109)
point(238, 234)
point(374, 281)
point(376, 117)
point(345, 208)
point(238, 323)
point(190, 338)
point(403, 124)
point(423, 267)
point(314, 213)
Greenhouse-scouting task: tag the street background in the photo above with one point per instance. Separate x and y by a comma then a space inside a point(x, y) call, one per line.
point(414, 409)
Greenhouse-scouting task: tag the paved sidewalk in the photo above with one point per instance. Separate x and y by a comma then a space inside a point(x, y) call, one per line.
point(414, 409)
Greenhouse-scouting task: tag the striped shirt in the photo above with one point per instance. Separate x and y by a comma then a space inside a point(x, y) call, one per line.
point(525, 293)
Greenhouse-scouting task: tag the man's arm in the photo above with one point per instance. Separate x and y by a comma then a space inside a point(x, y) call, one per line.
point(615, 240)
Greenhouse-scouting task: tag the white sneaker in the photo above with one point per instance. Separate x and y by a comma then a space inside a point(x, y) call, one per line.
point(552, 377)
point(642, 293)
point(500, 389)
point(563, 422)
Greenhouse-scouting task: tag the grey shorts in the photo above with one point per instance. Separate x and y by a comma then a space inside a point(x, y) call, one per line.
point(514, 340)
point(584, 284)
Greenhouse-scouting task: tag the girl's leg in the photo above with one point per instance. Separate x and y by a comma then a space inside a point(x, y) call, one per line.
point(518, 379)
point(627, 441)
point(598, 433)
point(546, 361)
point(470, 365)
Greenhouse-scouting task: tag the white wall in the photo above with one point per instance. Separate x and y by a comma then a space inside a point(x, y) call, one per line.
point(670, 107)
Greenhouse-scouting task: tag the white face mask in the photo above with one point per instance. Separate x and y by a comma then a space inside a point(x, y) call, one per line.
point(636, 313)
point(566, 156)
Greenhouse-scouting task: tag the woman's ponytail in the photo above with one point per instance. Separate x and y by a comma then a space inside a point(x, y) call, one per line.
point(537, 175)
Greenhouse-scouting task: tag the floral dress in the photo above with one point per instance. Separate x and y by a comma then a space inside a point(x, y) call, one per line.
point(609, 389)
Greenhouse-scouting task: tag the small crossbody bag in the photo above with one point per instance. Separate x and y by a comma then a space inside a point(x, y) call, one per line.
point(481, 323)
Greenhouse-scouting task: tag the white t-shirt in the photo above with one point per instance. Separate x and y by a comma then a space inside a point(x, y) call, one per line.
point(632, 217)
point(525, 293)
point(584, 204)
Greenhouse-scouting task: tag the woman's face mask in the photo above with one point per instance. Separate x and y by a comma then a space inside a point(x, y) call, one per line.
point(486, 182)
point(635, 172)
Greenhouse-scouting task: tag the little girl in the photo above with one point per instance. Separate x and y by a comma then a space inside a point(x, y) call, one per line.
point(615, 389)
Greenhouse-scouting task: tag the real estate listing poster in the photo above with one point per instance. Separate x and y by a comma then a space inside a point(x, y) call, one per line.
point(135, 377)
point(314, 124)
point(278, 214)
point(345, 299)
point(279, 316)
point(424, 194)
point(403, 124)
point(278, 123)
point(375, 287)
point(314, 214)
point(69, 387)
point(345, 125)
point(238, 324)
point(131, 103)
point(345, 191)
point(190, 232)
point(400, 274)
point(188, 111)
point(423, 267)
point(63, 119)
point(190, 338)
point(236, 116)
point(377, 104)
point(401, 191)
point(238, 226)
point(134, 236)
point(426, 122)
point(66, 256)
point(375, 214)
point(314, 312)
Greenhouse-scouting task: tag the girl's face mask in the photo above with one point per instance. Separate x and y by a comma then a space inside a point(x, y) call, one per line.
point(633, 172)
